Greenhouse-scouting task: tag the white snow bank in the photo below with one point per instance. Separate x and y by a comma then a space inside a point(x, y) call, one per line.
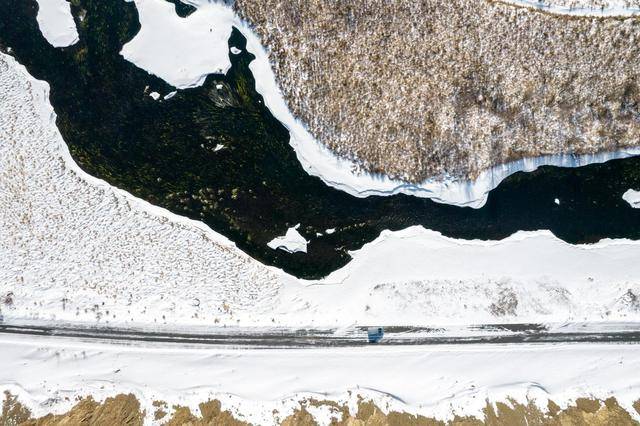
point(583, 8)
point(521, 255)
point(292, 241)
point(75, 249)
point(339, 173)
point(86, 251)
point(437, 381)
point(181, 51)
point(416, 276)
point(632, 197)
point(56, 22)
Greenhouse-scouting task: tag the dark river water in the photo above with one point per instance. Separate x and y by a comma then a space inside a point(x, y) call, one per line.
point(255, 188)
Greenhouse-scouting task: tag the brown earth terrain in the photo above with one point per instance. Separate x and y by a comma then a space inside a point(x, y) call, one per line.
point(125, 410)
point(436, 88)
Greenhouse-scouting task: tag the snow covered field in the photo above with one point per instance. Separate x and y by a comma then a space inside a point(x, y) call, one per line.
point(74, 249)
point(72, 246)
point(48, 373)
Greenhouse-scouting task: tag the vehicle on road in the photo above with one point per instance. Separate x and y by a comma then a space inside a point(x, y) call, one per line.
point(375, 334)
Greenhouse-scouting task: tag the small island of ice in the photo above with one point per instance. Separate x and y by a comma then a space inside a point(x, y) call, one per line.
point(181, 51)
point(56, 22)
point(292, 242)
point(633, 198)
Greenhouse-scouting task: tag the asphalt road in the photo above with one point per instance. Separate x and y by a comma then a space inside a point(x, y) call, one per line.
point(489, 334)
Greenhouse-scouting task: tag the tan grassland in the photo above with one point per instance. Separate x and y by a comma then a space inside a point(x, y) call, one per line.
point(435, 88)
point(125, 410)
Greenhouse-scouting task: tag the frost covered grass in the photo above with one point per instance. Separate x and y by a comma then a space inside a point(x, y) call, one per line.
point(334, 168)
point(437, 122)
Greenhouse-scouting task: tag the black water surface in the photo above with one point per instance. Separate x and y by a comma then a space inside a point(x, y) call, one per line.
point(255, 188)
point(182, 9)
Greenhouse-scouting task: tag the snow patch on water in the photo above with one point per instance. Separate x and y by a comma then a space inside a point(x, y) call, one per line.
point(181, 51)
point(56, 22)
point(632, 197)
point(291, 242)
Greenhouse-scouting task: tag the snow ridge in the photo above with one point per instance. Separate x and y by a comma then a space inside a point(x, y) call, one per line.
point(86, 251)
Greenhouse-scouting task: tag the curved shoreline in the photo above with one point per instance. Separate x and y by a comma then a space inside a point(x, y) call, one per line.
point(340, 173)
point(56, 23)
point(522, 203)
point(344, 174)
point(414, 265)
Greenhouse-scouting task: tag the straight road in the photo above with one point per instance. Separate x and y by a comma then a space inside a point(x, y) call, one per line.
point(490, 334)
